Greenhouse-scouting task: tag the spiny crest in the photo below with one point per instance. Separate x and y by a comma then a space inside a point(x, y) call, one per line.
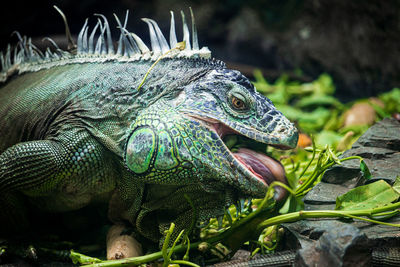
point(97, 46)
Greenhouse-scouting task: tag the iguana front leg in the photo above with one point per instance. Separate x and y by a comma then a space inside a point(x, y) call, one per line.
point(26, 166)
point(59, 175)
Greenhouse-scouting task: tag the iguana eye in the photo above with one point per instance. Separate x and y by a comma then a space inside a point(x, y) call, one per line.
point(238, 103)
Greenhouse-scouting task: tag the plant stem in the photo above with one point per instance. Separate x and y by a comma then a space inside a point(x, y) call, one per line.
point(294, 216)
point(184, 262)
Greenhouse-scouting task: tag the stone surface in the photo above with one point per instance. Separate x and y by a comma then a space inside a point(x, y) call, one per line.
point(324, 193)
point(381, 235)
point(380, 148)
point(330, 243)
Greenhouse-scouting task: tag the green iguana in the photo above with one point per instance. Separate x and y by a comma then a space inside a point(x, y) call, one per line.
point(137, 131)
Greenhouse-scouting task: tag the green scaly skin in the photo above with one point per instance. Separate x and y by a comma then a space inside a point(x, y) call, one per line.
point(78, 133)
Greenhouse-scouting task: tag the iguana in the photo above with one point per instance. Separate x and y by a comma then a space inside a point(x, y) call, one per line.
point(138, 131)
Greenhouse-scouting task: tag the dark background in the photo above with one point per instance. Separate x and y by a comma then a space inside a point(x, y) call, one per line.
point(356, 42)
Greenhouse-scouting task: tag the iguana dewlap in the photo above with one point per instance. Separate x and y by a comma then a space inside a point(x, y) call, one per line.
point(104, 124)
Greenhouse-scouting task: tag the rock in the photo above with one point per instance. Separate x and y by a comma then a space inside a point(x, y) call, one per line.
point(384, 134)
point(324, 193)
point(380, 147)
point(344, 246)
point(330, 243)
point(381, 235)
point(338, 246)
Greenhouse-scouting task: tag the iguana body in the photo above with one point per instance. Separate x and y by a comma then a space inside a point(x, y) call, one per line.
point(75, 130)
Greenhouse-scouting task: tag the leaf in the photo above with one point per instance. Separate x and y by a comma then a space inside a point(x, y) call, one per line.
point(364, 168)
point(82, 259)
point(396, 185)
point(380, 111)
point(317, 100)
point(292, 204)
point(368, 196)
point(327, 138)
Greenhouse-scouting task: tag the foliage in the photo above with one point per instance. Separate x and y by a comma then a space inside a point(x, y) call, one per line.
point(367, 196)
point(315, 110)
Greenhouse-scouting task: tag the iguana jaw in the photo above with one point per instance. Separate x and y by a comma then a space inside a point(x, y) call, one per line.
point(254, 165)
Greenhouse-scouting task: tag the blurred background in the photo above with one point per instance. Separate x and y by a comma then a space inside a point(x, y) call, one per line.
point(356, 42)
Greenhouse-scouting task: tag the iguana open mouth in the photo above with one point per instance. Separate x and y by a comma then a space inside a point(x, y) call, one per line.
point(250, 154)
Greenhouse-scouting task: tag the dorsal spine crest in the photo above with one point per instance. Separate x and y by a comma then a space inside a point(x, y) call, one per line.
point(25, 57)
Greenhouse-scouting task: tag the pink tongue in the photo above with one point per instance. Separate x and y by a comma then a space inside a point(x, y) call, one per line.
point(261, 165)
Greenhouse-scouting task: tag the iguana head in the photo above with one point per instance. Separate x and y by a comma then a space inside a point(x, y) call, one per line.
point(184, 139)
point(226, 104)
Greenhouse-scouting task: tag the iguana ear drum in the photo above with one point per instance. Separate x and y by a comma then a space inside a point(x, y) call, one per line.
point(146, 149)
point(140, 149)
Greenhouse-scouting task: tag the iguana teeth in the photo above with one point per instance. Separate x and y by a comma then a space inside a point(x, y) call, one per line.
point(172, 32)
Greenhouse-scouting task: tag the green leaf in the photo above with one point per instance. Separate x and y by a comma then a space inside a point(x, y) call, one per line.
point(364, 168)
point(292, 204)
point(327, 138)
point(380, 111)
point(368, 196)
point(82, 259)
point(396, 185)
point(317, 100)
